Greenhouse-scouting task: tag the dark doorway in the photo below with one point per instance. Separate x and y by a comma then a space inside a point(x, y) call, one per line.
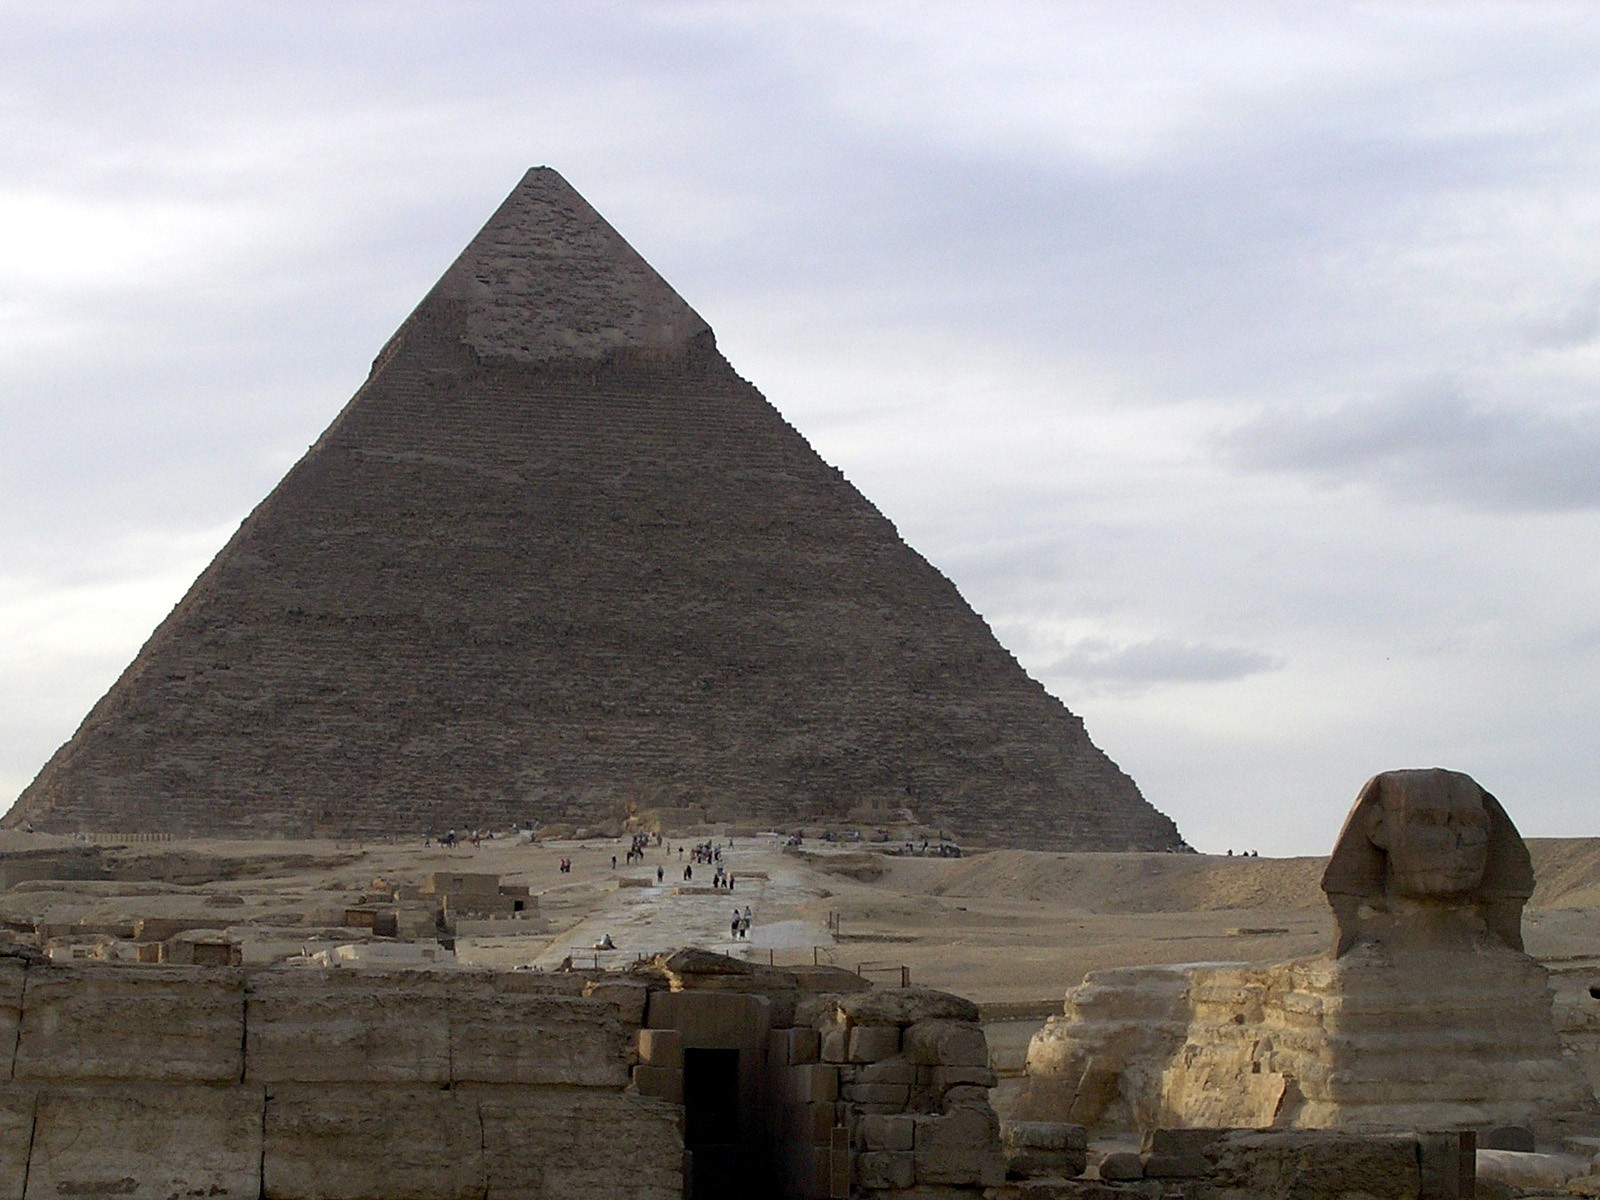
point(711, 1123)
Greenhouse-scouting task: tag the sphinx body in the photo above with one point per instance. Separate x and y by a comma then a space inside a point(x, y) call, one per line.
point(1426, 1013)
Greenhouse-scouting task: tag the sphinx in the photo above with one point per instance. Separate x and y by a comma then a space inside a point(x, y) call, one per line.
point(1426, 1013)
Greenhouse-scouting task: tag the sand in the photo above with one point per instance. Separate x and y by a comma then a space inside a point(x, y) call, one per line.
point(1011, 929)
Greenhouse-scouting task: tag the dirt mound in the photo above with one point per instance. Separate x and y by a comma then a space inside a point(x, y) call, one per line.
point(1568, 871)
point(1134, 883)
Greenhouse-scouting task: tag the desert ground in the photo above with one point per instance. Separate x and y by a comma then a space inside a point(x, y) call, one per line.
point(1010, 929)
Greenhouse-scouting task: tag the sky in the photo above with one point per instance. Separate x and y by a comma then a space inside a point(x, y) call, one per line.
point(1239, 362)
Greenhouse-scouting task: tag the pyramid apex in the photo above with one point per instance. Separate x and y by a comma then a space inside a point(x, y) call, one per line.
point(548, 278)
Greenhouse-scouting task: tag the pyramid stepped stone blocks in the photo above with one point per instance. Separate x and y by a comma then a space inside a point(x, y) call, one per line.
point(556, 560)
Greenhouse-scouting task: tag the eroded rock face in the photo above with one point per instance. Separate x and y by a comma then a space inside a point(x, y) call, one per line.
point(1427, 1014)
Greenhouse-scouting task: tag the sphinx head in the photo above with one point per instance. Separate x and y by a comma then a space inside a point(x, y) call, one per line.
point(1430, 837)
point(1434, 827)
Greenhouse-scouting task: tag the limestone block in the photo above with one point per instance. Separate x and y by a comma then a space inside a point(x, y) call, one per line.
point(12, 977)
point(1447, 1165)
point(889, 1133)
point(1056, 1164)
point(1043, 1135)
point(146, 1142)
point(537, 1039)
point(348, 1027)
point(794, 1046)
point(960, 1147)
point(1176, 1166)
point(812, 1083)
point(834, 1046)
point(892, 1094)
point(1182, 1143)
point(945, 1078)
point(347, 1142)
point(1507, 1137)
point(661, 1083)
point(1318, 1163)
point(661, 1048)
point(16, 1135)
point(629, 997)
point(1519, 1169)
point(952, 1043)
point(814, 1124)
point(713, 1020)
point(150, 1023)
point(558, 1145)
point(904, 1006)
point(1121, 1166)
point(887, 1169)
point(888, 1070)
point(870, 1043)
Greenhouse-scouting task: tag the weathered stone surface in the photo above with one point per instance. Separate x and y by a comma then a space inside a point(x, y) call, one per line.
point(557, 504)
point(1521, 1169)
point(1317, 1163)
point(887, 1169)
point(661, 1048)
point(560, 1145)
point(951, 1043)
point(344, 1142)
point(12, 976)
point(897, 1132)
point(146, 1142)
point(1099, 1062)
point(711, 1019)
point(959, 1147)
point(1446, 1165)
point(869, 1043)
point(532, 1039)
point(903, 1006)
point(17, 1104)
point(813, 1083)
point(350, 1027)
point(1121, 1166)
point(1043, 1135)
point(628, 996)
point(1427, 841)
point(660, 1083)
point(93, 1021)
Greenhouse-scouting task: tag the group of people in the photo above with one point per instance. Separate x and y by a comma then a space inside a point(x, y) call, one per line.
point(705, 853)
point(566, 866)
point(741, 923)
point(637, 846)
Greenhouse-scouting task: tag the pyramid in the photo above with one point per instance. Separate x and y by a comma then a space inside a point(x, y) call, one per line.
point(556, 562)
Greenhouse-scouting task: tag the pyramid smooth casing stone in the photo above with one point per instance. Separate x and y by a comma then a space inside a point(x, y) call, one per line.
point(557, 561)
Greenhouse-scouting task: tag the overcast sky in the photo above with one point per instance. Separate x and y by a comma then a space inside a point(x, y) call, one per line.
point(1239, 362)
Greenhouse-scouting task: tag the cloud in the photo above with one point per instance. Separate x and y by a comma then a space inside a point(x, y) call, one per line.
point(1433, 445)
point(1576, 326)
point(1158, 661)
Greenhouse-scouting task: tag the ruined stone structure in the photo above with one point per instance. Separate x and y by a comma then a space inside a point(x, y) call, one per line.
point(1425, 1015)
point(153, 1082)
point(555, 561)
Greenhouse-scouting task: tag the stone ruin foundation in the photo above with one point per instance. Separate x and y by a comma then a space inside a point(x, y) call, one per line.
point(695, 1075)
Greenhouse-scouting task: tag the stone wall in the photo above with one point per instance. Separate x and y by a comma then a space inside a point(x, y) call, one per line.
point(150, 1082)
